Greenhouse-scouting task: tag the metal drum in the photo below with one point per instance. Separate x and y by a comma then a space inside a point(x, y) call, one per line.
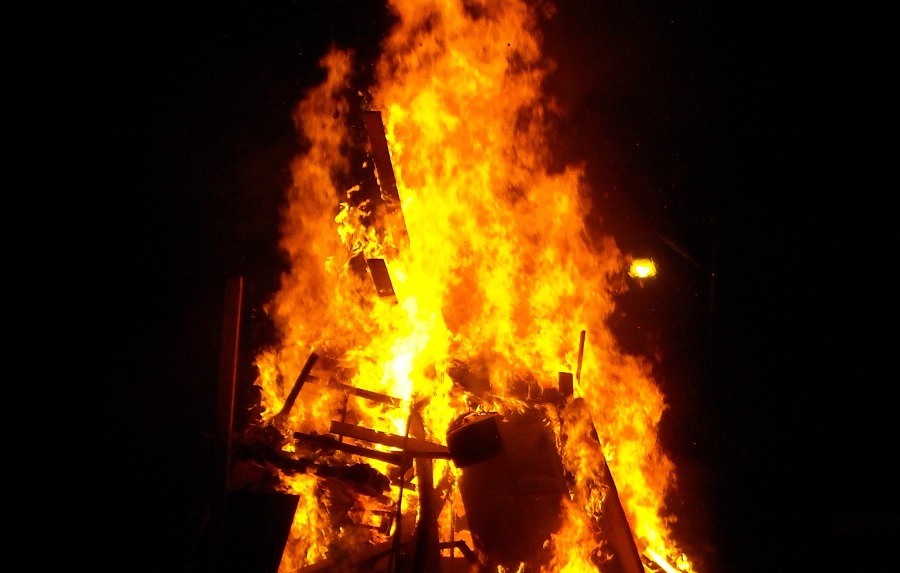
point(512, 483)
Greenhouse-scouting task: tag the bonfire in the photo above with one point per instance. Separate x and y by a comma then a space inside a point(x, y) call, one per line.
point(445, 393)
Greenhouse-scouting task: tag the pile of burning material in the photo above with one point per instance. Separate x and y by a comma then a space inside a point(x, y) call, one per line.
point(506, 471)
point(458, 403)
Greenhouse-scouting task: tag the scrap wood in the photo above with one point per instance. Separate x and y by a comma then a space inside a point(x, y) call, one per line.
point(382, 278)
point(612, 519)
point(368, 394)
point(381, 155)
point(413, 447)
point(359, 392)
point(298, 385)
point(363, 476)
point(330, 444)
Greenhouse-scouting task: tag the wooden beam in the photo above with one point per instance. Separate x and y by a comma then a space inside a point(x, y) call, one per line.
point(298, 385)
point(368, 395)
point(382, 278)
point(395, 458)
point(413, 447)
point(381, 156)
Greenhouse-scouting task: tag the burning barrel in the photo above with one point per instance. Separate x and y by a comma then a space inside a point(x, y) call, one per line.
point(512, 483)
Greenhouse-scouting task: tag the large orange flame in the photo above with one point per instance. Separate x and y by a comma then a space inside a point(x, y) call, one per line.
point(496, 270)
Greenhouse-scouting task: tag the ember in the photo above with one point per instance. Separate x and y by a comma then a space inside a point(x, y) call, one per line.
point(457, 403)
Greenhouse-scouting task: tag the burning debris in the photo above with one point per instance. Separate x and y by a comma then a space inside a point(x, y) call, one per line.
point(457, 394)
point(506, 471)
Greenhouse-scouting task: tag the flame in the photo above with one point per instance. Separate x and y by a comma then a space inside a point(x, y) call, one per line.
point(492, 267)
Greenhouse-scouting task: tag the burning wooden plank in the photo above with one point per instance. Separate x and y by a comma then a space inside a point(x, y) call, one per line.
point(384, 171)
point(367, 394)
point(298, 385)
point(413, 447)
point(381, 156)
point(327, 443)
point(409, 448)
point(416, 545)
point(426, 552)
point(381, 277)
point(624, 555)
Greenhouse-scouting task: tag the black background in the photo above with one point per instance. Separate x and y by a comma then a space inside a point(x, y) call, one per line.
point(746, 149)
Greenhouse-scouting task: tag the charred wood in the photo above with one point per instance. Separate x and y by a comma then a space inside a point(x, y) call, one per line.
point(262, 448)
point(381, 156)
point(613, 523)
point(426, 555)
point(366, 394)
point(384, 171)
point(414, 447)
point(298, 385)
point(328, 444)
point(472, 376)
point(381, 277)
point(566, 387)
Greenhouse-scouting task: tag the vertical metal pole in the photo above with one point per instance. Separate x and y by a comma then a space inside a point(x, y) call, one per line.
point(228, 373)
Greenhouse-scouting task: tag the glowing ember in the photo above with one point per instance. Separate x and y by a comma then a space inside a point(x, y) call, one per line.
point(485, 278)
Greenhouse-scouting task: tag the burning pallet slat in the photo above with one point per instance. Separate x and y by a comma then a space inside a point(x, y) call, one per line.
point(381, 156)
point(381, 277)
point(328, 443)
point(613, 523)
point(298, 385)
point(413, 447)
point(384, 171)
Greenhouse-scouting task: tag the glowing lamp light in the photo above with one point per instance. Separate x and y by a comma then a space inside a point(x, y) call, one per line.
point(642, 269)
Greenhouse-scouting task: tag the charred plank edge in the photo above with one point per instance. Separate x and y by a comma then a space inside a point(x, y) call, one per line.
point(359, 392)
point(395, 458)
point(566, 386)
point(368, 394)
point(384, 168)
point(381, 277)
point(426, 552)
point(298, 385)
point(412, 446)
point(613, 520)
point(381, 155)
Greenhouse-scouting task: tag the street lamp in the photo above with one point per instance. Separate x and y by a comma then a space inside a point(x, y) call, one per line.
point(642, 269)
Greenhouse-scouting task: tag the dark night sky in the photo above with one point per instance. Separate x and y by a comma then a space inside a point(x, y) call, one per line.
point(751, 139)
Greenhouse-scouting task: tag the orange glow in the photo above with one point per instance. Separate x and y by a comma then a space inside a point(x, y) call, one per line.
point(499, 273)
point(642, 269)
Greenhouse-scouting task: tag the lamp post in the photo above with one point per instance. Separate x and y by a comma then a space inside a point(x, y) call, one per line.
point(645, 268)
